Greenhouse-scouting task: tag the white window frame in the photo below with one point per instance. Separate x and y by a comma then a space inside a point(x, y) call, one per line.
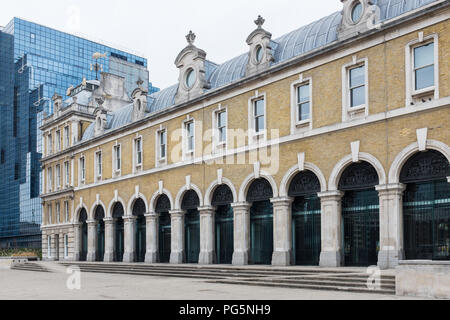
point(49, 247)
point(98, 165)
point(296, 125)
point(58, 212)
point(138, 166)
point(49, 144)
point(348, 112)
point(82, 170)
point(66, 137)
point(49, 214)
point(161, 161)
point(188, 154)
point(66, 211)
point(66, 174)
point(49, 179)
point(116, 171)
point(253, 136)
point(58, 177)
point(58, 140)
point(219, 146)
point(411, 93)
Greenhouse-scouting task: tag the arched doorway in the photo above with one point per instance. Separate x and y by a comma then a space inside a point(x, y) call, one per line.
point(190, 204)
point(306, 219)
point(119, 247)
point(224, 228)
point(84, 234)
point(426, 206)
point(163, 208)
point(261, 222)
point(139, 210)
point(361, 214)
point(99, 218)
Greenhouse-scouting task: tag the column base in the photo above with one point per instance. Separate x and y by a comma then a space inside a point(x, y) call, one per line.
point(128, 257)
point(240, 258)
point(388, 259)
point(176, 257)
point(109, 257)
point(206, 258)
point(151, 257)
point(330, 259)
point(281, 258)
point(91, 257)
point(76, 257)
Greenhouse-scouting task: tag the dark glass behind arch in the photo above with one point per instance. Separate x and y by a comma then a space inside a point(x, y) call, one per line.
point(222, 196)
point(190, 201)
point(118, 211)
point(304, 183)
point(163, 204)
point(259, 190)
point(99, 213)
point(425, 166)
point(359, 176)
point(83, 216)
point(139, 208)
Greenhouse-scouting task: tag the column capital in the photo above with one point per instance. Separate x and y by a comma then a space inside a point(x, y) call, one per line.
point(177, 213)
point(129, 219)
point(394, 188)
point(282, 201)
point(206, 210)
point(108, 220)
point(331, 195)
point(77, 224)
point(152, 215)
point(91, 222)
point(241, 205)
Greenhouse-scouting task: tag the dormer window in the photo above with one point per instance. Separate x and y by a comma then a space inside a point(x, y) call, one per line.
point(191, 77)
point(259, 54)
point(357, 12)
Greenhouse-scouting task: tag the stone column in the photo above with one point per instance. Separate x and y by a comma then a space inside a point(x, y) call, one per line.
point(282, 235)
point(391, 225)
point(92, 241)
point(77, 242)
point(177, 255)
point(109, 239)
point(130, 239)
point(207, 235)
point(51, 253)
point(241, 233)
point(152, 227)
point(331, 230)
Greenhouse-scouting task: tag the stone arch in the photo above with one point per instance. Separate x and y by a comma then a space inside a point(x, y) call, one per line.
point(249, 180)
point(133, 200)
point(94, 207)
point(156, 196)
point(182, 192)
point(408, 152)
point(111, 206)
point(212, 188)
point(292, 172)
point(347, 161)
point(80, 207)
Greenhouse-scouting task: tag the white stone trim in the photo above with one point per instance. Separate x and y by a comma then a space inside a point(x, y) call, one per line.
point(156, 196)
point(348, 112)
point(301, 126)
point(132, 201)
point(81, 206)
point(292, 172)
point(116, 199)
point(348, 160)
point(253, 138)
point(181, 193)
point(213, 186)
point(138, 167)
point(409, 151)
point(248, 181)
point(218, 147)
point(160, 162)
point(188, 155)
point(97, 177)
point(96, 204)
point(115, 173)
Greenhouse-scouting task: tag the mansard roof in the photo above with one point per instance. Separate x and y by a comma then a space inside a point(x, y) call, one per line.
point(294, 44)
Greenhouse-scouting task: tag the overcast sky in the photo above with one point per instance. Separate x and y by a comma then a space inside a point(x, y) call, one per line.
point(157, 29)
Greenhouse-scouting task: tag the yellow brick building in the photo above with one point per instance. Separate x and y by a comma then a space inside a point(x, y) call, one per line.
point(327, 146)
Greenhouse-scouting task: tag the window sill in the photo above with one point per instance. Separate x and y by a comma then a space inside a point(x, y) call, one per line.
point(303, 123)
point(423, 92)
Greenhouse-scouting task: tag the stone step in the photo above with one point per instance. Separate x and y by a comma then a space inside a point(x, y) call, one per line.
point(30, 267)
point(324, 282)
point(306, 286)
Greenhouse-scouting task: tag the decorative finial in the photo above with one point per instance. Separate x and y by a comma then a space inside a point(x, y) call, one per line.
point(69, 91)
point(191, 38)
point(260, 21)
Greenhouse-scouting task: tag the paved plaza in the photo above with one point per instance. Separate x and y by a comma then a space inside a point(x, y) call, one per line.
point(27, 285)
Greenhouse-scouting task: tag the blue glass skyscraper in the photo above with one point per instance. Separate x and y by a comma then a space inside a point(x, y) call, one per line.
point(36, 62)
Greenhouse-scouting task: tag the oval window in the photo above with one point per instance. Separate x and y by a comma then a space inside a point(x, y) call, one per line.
point(190, 78)
point(357, 12)
point(259, 54)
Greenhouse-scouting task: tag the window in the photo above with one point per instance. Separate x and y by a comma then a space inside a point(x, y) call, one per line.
point(162, 141)
point(66, 174)
point(66, 211)
point(49, 247)
point(58, 141)
point(66, 137)
point(98, 164)
point(259, 54)
point(303, 103)
point(49, 179)
point(138, 151)
point(259, 116)
point(58, 213)
point(66, 245)
point(191, 77)
point(49, 214)
point(32, 38)
point(190, 137)
point(117, 159)
point(82, 170)
point(49, 144)
point(58, 176)
point(2, 156)
point(424, 66)
point(357, 86)
point(357, 12)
